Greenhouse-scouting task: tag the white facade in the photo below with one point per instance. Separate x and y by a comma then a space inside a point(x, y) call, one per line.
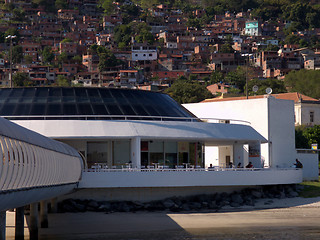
point(144, 54)
point(252, 28)
point(307, 113)
point(272, 118)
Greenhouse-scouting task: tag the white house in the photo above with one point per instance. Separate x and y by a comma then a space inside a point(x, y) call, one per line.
point(144, 53)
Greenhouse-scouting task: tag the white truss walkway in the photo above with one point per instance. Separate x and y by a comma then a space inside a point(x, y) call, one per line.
point(33, 167)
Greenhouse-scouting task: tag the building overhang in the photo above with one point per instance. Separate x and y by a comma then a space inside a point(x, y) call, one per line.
point(126, 129)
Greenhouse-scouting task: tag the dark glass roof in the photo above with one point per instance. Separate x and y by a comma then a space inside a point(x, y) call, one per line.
point(97, 103)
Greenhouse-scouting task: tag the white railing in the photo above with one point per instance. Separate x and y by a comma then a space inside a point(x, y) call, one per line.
point(161, 169)
point(126, 117)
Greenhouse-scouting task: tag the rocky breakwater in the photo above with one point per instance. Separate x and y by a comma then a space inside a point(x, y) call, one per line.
point(190, 203)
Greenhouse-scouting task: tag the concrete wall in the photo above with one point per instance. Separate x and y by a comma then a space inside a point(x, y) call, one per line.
point(310, 164)
point(272, 118)
point(226, 177)
point(282, 134)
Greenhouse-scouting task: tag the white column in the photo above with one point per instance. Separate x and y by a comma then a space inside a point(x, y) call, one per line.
point(136, 152)
point(238, 154)
point(255, 154)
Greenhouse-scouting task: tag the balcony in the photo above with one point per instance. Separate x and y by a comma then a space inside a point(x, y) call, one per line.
point(188, 177)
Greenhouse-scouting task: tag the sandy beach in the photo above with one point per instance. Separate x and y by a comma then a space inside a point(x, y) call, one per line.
point(290, 218)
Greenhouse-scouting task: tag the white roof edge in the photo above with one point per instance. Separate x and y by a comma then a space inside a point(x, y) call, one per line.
point(122, 129)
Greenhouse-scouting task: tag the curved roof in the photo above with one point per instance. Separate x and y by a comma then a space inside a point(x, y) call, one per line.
point(72, 101)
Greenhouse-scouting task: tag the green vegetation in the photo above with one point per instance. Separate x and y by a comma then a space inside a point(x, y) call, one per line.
point(305, 82)
point(140, 32)
point(188, 91)
point(305, 136)
point(47, 55)
point(311, 189)
point(21, 79)
point(276, 85)
point(106, 58)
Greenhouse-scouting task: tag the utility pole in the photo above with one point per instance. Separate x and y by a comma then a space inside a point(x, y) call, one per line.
point(10, 74)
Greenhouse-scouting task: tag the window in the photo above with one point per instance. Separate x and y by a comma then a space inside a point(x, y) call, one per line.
point(311, 117)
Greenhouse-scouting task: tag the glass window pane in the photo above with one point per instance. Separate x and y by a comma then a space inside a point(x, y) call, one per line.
point(54, 109)
point(67, 92)
point(38, 109)
point(69, 109)
point(22, 109)
point(114, 110)
point(7, 109)
point(28, 92)
point(99, 109)
point(42, 92)
point(84, 109)
point(121, 153)
point(97, 153)
point(127, 110)
point(55, 92)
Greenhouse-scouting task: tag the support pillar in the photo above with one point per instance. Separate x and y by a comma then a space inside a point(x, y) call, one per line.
point(136, 152)
point(3, 225)
point(43, 214)
point(54, 205)
point(19, 229)
point(33, 225)
point(238, 155)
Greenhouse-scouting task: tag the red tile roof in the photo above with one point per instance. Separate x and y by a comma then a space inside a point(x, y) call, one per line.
point(295, 96)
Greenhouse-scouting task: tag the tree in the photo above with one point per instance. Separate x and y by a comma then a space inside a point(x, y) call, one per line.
point(237, 78)
point(62, 81)
point(66, 40)
point(63, 57)
point(28, 59)
point(304, 81)
point(47, 55)
point(21, 79)
point(107, 60)
point(305, 136)
point(108, 6)
point(122, 34)
point(17, 54)
point(216, 76)
point(61, 4)
point(276, 85)
point(226, 48)
point(312, 134)
point(77, 59)
point(18, 15)
point(186, 91)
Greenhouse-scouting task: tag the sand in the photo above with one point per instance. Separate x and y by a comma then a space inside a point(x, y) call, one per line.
point(291, 218)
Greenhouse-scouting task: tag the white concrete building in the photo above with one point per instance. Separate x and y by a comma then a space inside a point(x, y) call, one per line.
point(144, 53)
point(143, 145)
point(271, 117)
